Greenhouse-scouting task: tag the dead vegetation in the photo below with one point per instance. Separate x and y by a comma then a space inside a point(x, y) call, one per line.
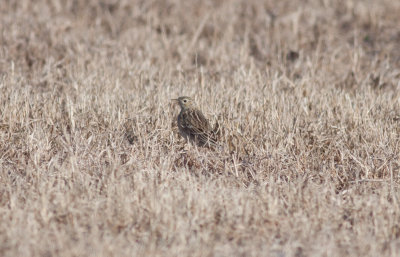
point(305, 93)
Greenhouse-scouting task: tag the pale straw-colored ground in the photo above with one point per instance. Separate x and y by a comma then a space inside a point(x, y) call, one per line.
point(307, 93)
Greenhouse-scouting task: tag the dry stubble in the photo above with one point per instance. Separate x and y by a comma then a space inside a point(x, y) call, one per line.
point(307, 94)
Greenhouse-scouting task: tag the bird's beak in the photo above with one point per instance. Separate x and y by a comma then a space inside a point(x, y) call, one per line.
point(174, 99)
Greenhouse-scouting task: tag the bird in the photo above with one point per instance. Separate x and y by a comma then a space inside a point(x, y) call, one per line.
point(193, 125)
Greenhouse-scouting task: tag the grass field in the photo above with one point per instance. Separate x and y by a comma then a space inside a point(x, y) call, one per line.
point(307, 94)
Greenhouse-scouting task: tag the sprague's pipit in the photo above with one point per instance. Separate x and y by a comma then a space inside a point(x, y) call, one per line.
point(192, 124)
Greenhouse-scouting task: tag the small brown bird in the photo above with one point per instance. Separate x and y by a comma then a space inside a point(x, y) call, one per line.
point(193, 126)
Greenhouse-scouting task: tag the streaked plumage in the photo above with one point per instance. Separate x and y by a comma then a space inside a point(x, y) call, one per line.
point(192, 124)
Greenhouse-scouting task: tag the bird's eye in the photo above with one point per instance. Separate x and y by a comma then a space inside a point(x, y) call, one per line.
point(185, 101)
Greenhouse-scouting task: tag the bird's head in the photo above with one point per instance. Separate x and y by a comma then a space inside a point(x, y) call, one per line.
point(185, 102)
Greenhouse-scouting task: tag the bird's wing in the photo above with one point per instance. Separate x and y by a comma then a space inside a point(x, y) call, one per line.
point(194, 122)
point(198, 126)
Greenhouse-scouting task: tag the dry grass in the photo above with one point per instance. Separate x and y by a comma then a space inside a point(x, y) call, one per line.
point(307, 93)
